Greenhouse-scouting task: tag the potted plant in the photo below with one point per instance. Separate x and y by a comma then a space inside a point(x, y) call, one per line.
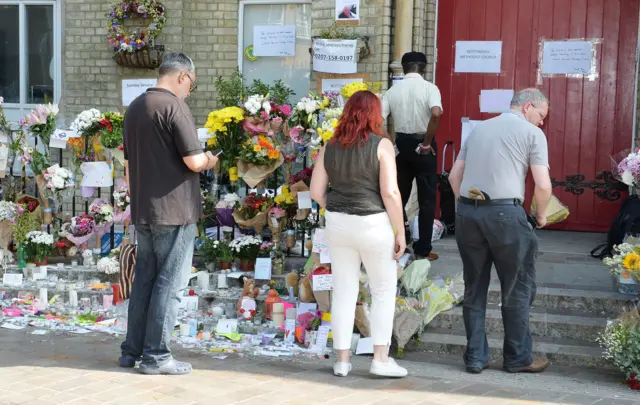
point(216, 251)
point(38, 246)
point(25, 222)
point(624, 266)
point(246, 249)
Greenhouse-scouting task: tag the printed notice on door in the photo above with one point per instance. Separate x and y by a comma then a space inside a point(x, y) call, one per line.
point(568, 58)
point(335, 56)
point(478, 56)
point(274, 40)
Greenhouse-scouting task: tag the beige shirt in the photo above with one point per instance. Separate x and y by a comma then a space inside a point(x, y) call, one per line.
point(410, 102)
point(498, 154)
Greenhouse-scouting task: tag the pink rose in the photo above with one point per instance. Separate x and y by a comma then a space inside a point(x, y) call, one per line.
point(285, 110)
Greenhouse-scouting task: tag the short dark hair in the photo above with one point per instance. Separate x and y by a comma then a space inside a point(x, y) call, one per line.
point(175, 62)
point(414, 67)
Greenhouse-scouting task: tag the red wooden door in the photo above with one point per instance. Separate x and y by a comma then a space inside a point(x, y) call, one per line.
point(588, 121)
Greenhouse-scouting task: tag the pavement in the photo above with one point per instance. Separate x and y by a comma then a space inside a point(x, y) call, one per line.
point(82, 369)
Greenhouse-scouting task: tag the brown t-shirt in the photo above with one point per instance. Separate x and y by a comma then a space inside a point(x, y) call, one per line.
point(159, 131)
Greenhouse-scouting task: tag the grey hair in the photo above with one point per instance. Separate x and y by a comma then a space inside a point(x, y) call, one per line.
point(174, 62)
point(532, 95)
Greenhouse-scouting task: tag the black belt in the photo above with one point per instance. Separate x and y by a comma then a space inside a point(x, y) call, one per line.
point(499, 201)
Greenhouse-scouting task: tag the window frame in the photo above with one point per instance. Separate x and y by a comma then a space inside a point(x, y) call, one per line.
point(22, 105)
point(241, 6)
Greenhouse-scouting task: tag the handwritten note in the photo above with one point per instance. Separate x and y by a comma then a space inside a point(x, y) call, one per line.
point(322, 282)
point(323, 336)
point(263, 268)
point(274, 40)
point(226, 326)
point(59, 138)
point(96, 174)
point(319, 241)
point(325, 258)
point(567, 57)
point(304, 200)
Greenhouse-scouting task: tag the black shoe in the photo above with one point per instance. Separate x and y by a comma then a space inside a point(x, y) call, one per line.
point(127, 362)
point(476, 370)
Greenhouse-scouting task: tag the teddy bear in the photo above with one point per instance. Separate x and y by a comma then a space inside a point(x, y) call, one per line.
point(246, 306)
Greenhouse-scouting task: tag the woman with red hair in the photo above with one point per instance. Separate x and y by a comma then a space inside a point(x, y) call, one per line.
point(363, 213)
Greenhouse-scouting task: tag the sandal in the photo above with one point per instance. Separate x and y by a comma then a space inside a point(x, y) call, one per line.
point(171, 367)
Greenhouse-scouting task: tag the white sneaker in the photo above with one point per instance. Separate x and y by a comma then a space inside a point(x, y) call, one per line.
point(341, 369)
point(388, 369)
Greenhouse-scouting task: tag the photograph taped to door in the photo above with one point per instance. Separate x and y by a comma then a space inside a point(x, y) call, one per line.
point(573, 57)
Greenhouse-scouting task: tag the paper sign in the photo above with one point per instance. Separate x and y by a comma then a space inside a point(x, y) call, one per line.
point(319, 241)
point(336, 85)
point(96, 174)
point(335, 56)
point(132, 88)
point(495, 101)
point(365, 346)
point(467, 127)
point(304, 307)
point(323, 336)
point(304, 200)
point(12, 279)
point(263, 268)
point(59, 138)
point(40, 273)
point(226, 326)
point(347, 10)
point(324, 256)
point(322, 282)
point(567, 57)
point(274, 40)
point(478, 56)
point(203, 134)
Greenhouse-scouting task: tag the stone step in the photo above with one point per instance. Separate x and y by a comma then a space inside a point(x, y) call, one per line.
point(565, 352)
point(542, 322)
point(569, 299)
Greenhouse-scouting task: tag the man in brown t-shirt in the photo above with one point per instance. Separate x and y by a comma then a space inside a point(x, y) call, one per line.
point(163, 160)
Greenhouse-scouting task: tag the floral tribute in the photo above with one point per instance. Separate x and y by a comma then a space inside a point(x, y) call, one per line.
point(246, 247)
point(629, 169)
point(79, 230)
point(625, 259)
point(103, 215)
point(122, 201)
point(352, 88)
point(260, 150)
point(128, 42)
point(225, 126)
point(57, 179)
point(621, 343)
point(39, 246)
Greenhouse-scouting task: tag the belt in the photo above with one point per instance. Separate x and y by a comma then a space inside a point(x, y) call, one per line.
point(500, 201)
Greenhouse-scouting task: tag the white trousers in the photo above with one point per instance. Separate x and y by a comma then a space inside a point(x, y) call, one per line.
point(354, 240)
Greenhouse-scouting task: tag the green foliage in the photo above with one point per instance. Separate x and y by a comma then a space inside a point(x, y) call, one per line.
point(232, 92)
point(335, 32)
point(621, 341)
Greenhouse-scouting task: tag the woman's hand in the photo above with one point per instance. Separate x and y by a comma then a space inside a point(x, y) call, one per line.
point(400, 245)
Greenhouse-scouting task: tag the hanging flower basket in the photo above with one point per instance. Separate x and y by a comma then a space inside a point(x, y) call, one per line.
point(146, 58)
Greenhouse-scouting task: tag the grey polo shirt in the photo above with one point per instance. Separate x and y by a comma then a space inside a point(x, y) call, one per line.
point(498, 154)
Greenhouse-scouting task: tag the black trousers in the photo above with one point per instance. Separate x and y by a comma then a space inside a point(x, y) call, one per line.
point(422, 168)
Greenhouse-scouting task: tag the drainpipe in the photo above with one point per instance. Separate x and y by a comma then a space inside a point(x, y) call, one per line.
point(403, 34)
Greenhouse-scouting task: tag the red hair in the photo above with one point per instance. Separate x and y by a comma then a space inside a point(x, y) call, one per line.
point(362, 116)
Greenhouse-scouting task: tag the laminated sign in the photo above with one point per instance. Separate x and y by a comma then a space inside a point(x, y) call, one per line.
point(335, 56)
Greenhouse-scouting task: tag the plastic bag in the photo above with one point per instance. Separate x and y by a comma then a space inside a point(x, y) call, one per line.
point(556, 211)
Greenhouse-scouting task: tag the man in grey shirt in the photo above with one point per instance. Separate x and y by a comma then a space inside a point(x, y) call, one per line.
point(492, 227)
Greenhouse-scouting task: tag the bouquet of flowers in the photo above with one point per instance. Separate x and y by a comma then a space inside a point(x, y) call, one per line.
point(279, 115)
point(620, 341)
point(260, 150)
point(103, 215)
point(216, 250)
point(111, 135)
point(55, 180)
point(267, 249)
point(625, 260)
point(303, 175)
point(327, 130)
point(305, 117)
point(24, 223)
point(352, 88)
point(629, 169)
point(252, 212)
point(86, 120)
point(122, 200)
point(110, 266)
point(39, 246)
point(41, 121)
point(79, 230)
point(9, 211)
point(224, 209)
point(246, 247)
point(226, 127)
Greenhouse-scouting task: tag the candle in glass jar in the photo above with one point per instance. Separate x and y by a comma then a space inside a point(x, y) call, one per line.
point(73, 299)
point(42, 299)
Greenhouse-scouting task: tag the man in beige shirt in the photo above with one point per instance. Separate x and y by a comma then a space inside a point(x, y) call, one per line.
point(416, 107)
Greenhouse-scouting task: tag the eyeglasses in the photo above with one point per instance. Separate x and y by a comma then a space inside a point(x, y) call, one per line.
point(194, 85)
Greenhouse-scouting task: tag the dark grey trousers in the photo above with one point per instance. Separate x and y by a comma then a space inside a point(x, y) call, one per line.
point(497, 235)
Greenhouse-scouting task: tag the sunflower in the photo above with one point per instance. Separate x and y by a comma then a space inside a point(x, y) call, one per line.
point(631, 261)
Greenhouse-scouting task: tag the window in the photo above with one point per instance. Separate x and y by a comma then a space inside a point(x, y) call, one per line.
point(294, 71)
point(29, 54)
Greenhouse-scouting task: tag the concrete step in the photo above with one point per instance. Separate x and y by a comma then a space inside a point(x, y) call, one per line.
point(542, 322)
point(564, 352)
point(568, 299)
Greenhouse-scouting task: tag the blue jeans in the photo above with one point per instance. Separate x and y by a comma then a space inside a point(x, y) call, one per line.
point(163, 263)
point(497, 235)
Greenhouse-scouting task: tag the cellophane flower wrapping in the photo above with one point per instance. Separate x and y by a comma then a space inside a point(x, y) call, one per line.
point(79, 230)
point(122, 201)
point(103, 215)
